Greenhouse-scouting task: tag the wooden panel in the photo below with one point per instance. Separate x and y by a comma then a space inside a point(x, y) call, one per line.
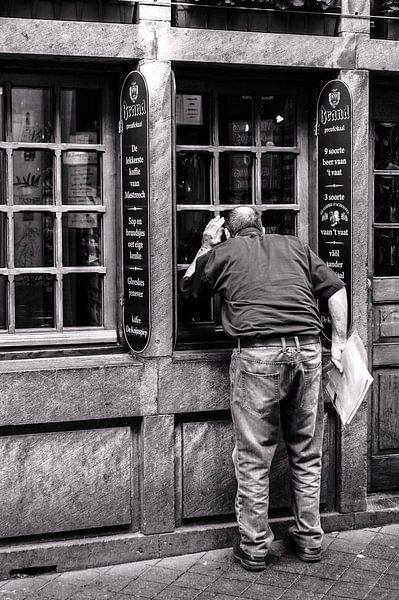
point(385, 473)
point(209, 487)
point(388, 321)
point(386, 289)
point(158, 506)
point(64, 481)
point(208, 474)
point(388, 411)
point(385, 355)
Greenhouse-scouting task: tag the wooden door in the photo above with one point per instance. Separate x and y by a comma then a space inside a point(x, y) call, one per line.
point(384, 472)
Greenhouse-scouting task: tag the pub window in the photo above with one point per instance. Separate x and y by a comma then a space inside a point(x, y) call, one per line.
point(233, 147)
point(56, 212)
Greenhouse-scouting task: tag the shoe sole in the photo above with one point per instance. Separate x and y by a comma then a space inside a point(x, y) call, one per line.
point(249, 566)
point(290, 544)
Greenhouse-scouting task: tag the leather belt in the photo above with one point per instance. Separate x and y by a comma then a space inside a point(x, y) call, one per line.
point(303, 340)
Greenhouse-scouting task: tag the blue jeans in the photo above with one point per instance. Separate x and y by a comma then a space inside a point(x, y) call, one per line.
point(273, 389)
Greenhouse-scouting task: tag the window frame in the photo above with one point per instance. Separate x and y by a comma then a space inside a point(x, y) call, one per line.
point(257, 85)
point(60, 335)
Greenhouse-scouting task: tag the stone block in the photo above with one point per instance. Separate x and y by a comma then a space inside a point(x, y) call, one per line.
point(64, 481)
point(193, 386)
point(158, 487)
point(77, 394)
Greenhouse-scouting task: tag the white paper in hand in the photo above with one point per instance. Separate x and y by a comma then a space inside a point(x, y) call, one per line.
point(347, 390)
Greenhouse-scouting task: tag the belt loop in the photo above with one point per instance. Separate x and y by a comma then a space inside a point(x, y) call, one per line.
point(239, 346)
point(298, 347)
point(284, 345)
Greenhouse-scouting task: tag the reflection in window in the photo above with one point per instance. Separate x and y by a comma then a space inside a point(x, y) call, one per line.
point(386, 252)
point(277, 121)
point(193, 171)
point(190, 226)
point(81, 239)
point(192, 119)
point(80, 116)
point(386, 146)
point(277, 178)
point(235, 178)
point(194, 312)
point(33, 239)
point(2, 178)
point(1, 113)
point(34, 301)
point(3, 302)
point(32, 115)
point(81, 177)
point(83, 300)
point(277, 221)
point(386, 199)
point(236, 120)
point(33, 177)
point(3, 240)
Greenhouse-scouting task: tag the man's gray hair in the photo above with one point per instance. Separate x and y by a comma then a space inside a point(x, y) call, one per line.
point(241, 217)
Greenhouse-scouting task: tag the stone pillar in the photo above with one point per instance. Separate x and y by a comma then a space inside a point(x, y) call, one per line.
point(352, 443)
point(158, 77)
point(151, 10)
point(355, 17)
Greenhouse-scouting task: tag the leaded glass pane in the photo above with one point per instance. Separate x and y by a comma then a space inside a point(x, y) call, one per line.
point(192, 119)
point(33, 177)
point(34, 301)
point(277, 121)
point(236, 178)
point(236, 120)
point(193, 178)
point(278, 178)
point(33, 239)
point(81, 116)
point(83, 300)
point(81, 245)
point(81, 177)
point(32, 115)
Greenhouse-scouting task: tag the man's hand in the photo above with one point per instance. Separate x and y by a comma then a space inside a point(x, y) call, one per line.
point(212, 233)
point(336, 353)
point(211, 237)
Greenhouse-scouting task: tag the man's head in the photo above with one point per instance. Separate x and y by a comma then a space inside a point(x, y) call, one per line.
point(241, 217)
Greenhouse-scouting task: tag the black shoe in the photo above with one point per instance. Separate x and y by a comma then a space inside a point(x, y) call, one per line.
point(248, 561)
point(304, 554)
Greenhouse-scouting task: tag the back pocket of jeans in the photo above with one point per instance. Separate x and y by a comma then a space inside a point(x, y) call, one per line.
point(260, 392)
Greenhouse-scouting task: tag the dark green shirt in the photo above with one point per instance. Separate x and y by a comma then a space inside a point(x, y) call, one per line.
point(268, 284)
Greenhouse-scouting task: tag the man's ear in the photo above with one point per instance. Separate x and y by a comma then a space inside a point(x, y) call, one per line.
point(227, 233)
point(263, 230)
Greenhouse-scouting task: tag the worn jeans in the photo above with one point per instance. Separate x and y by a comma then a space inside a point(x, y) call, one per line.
point(273, 389)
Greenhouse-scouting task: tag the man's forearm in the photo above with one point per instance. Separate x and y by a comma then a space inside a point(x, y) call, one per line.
point(191, 268)
point(338, 308)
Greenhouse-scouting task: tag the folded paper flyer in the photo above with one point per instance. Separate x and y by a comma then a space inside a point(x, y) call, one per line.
point(348, 389)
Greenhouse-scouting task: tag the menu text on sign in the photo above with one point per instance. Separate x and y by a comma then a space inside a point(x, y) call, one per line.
point(135, 211)
point(334, 157)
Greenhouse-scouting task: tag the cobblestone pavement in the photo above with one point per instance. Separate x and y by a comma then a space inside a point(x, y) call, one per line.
point(356, 564)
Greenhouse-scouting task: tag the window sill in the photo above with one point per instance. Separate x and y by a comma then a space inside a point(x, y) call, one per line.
point(69, 362)
point(201, 355)
point(50, 338)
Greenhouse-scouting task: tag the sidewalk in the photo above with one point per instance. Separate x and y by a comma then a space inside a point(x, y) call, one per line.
point(356, 564)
